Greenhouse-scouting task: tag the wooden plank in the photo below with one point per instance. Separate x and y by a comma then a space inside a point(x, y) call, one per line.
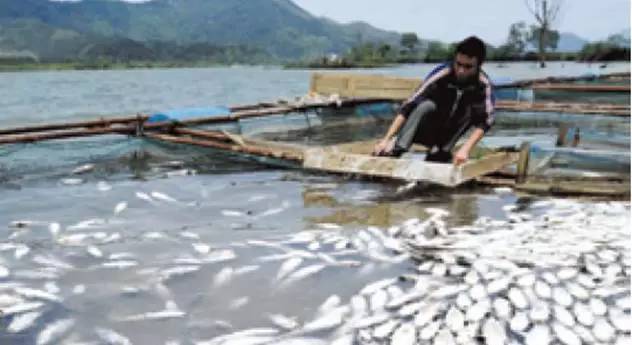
point(487, 164)
point(333, 160)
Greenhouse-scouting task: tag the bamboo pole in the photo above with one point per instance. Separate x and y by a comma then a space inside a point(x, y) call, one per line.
point(529, 82)
point(71, 133)
point(577, 108)
point(247, 149)
point(582, 88)
point(523, 162)
point(103, 122)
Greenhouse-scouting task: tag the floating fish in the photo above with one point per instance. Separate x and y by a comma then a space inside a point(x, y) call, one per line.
point(494, 332)
point(120, 264)
point(233, 213)
point(283, 321)
point(519, 322)
point(79, 289)
point(37, 294)
point(404, 335)
point(163, 197)
point(71, 181)
point(538, 335)
point(238, 303)
point(103, 186)
point(327, 321)
point(54, 331)
point(304, 273)
point(23, 321)
point(223, 276)
point(454, 319)
point(111, 337)
point(83, 169)
point(120, 207)
point(201, 248)
point(384, 330)
point(565, 335)
point(4, 272)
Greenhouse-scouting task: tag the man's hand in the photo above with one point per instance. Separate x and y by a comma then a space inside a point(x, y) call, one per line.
point(461, 156)
point(382, 147)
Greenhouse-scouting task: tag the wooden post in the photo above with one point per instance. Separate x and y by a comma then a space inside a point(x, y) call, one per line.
point(576, 137)
point(523, 162)
point(561, 135)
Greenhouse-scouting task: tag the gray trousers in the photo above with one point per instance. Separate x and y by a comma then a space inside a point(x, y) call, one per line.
point(427, 126)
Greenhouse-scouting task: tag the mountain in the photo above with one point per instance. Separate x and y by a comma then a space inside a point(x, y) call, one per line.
point(570, 43)
point(278, 27)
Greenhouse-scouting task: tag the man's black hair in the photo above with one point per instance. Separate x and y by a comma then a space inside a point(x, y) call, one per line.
point(474, 47)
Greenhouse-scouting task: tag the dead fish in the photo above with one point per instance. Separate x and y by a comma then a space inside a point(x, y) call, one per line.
point(37, 294)
point(583, 314)
point(384, 330)
point(329, 226)
point(539, 311)
point(54, 331)
point(327, 321)
point(111, 337)
point(220, 256)
point(284, 206)
point(189, 235)
point(88, 224)
point(369, 321)
point(562, 297)
point(71, 181)
point(171, 312)
point(23, 321)
point(94, 251)
point(238, 303)
point(4, 272)
point(378, 285)
point(494, 332)
point(201, 248)
point(54, 228)
point(223, 276)
point(120, 207)
point(519, 322)
point(502, 307)
point(330, 303)
point(21, 308)
point(51, 287)
point(178, 271)
point(538, 335)
point(517, 298)
point(429, 331)
point(478, 310)
point(246, 269)
point(603, 331)
point(455, 319)
point(283, 321)
point(232, 213)
point(542, 289)
point(120, 264)
point(83, 169)
point(163, 197)
point(565, 335)
point(304, 273)
point(144, 196)
point(154, 235)
point(404, 335)
point(79, 289)
point(563, 315)
point(498, 285)
point(103, 186)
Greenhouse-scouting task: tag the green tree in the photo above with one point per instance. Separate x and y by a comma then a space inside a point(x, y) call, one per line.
point(410, 41)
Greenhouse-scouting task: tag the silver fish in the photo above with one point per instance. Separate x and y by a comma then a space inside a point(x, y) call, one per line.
point(103, 186)
point(223, 276)
point(283, 321)
point(565, 335)
point(21, 308)
point(562, 297)
point(111, 337)
point(304, 273)
point(163, 197)
point(328, 321)
point(23, 321)
point(239, 302)
point(538, 335)
point(54, 331)
point(37, 294)
point(429, 331)
point(517, 298)
point(455, 319)
point(519, 322)
point(404, 335)
point(120, 207)
point(502, 307)
point(603, 331)
point(563, 316)
point(330, 303)
point(288, 266)
point(494, 332)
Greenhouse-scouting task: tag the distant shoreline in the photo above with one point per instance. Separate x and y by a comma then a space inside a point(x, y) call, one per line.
point(83, 66)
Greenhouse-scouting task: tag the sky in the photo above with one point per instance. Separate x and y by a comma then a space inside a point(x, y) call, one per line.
point(453, 20)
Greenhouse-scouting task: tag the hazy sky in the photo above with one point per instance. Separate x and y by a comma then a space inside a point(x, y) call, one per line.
point(452, 20)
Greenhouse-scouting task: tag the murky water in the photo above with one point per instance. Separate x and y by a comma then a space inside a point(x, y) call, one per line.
point(150, 223)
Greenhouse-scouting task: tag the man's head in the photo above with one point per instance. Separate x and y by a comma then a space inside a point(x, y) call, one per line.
point(468, 58)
